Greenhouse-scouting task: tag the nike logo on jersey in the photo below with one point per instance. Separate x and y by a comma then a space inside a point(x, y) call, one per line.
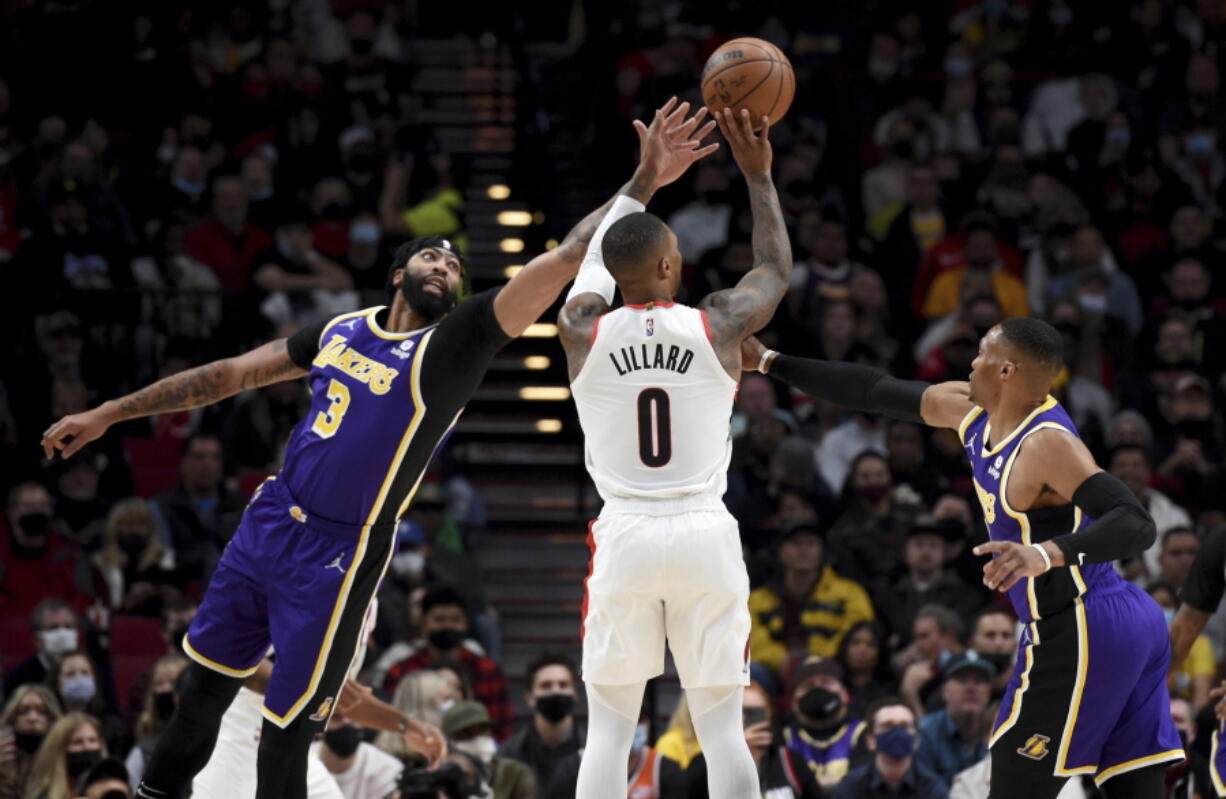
point(336, 564)
point(658, 356)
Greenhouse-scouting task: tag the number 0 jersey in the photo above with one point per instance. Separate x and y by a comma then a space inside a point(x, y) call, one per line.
point(655, 404)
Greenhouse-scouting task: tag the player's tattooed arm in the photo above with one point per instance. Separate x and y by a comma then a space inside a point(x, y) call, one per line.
point(576, 323)
point(191, 388)
point(740, 312)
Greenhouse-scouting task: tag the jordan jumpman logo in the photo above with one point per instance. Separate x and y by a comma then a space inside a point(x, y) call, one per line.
point(336, 564)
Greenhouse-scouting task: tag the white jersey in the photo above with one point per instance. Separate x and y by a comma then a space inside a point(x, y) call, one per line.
point(655, 404)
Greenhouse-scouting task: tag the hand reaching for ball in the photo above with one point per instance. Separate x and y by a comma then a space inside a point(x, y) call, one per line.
point(752, 151)
point(672, 143)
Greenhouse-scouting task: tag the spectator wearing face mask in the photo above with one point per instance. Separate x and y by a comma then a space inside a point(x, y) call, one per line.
point(72, 747)
point(892, 738)
point(35, 560)
point(819, 726)
point(30, 712)
point(444, 624)
point(362, 770)
point(467, 727)
point(56, 633)
point(553, 734)
point(177, 615)
point(364, 258)
point(75, 681)
point(133, 560)
point(159, 705)
point(1192, 679)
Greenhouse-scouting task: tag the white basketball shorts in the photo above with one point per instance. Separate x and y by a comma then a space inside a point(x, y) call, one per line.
point(661, 569)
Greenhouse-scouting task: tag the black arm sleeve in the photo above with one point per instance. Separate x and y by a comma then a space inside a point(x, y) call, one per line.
point(852, 385)
point(303, 346)
point(1122, 528)
point(461, 348)
point(1207, 580)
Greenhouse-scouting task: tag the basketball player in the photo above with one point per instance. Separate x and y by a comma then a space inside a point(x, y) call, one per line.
point(1088, 693)
point(388, 384)
point(654, 383)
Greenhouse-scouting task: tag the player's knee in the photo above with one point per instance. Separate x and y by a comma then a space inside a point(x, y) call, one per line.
point(704, 700)
point(624, 700)
point(203, 691)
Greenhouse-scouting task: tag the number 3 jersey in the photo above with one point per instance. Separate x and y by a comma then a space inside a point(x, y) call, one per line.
point(655, 404)
point(382, 404)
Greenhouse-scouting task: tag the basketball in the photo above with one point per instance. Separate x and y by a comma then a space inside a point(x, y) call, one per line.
point(752, 74)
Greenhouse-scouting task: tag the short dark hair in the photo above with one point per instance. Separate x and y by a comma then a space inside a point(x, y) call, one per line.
point(1122, 448)
point(1035, 339)
point(440, 595)
point(990, 610)
point(200, 435)
point(631, 241)
point(947, 621)
point(545, 659)
point(179, 604)
point(41, 610)
point(870, 715)
point(1174, 531)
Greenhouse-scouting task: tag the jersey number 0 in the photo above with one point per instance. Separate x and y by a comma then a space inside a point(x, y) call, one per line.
point(655, 428)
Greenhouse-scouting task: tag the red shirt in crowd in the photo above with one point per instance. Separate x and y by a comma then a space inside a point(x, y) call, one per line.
point(489, 686)
point(229, 256)
point(24, 582)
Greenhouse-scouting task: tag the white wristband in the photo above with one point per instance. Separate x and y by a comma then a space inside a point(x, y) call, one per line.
point(763, 359)
point(1046, 557)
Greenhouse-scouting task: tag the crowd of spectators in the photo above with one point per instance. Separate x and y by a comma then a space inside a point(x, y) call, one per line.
point(188, 179)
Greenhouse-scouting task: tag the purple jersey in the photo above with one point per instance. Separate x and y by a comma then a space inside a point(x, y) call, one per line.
point(357, 457)
point(1032, 598)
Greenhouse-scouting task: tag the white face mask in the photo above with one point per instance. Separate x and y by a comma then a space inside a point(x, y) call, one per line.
point(58, 641)
point(483, 748)
point(408, 564)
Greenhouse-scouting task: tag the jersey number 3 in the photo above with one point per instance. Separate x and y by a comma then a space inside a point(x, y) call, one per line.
point(655, 428)
point(328, 421)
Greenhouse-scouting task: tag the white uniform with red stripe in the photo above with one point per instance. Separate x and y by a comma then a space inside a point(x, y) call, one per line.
point(655, 404)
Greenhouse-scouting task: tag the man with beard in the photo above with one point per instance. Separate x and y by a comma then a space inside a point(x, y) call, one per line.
point(1092, 699)
point(388, 384)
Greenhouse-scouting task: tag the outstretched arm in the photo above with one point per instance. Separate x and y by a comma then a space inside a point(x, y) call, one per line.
point(192, 388)
point(863, 388)
point(667, 148)
point(744, 310)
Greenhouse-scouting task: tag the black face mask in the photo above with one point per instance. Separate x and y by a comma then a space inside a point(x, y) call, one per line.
point(1193, 429)
point(343, 740)
point(555, 707)
point(164, 705)
point(1001, 661)
point(446, 640)
point(361, 162)
point(34, 524)
point(133, 545)
point(78, 763)
point(428, 305)
point(362, 46)
point(334, 212)
point(951, 529)
point(820, 705)
point(29, 742)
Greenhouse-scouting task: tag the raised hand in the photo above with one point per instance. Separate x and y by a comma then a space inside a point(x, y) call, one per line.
point(671, 143)
point(752, 151)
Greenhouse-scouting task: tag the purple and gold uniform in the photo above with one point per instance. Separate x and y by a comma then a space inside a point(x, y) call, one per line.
point(314, 542)
point(1088, 693)
point(828, 758)
point(1204, 590)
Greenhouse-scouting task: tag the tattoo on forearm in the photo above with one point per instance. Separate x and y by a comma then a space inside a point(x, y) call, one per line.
point(273, 374)
point(189, 389)
point(771, 248)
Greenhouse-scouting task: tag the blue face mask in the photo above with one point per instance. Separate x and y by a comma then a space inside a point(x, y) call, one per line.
point(640, 738)
point(1169, 613)
point(187, 186)
point(896, 743)
point(78, 690)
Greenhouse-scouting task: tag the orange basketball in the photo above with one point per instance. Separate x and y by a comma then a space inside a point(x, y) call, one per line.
point(752, 74)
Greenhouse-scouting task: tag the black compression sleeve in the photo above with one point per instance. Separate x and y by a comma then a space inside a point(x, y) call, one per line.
point(852, 385)
point(303, 346)
point(1122, 528)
